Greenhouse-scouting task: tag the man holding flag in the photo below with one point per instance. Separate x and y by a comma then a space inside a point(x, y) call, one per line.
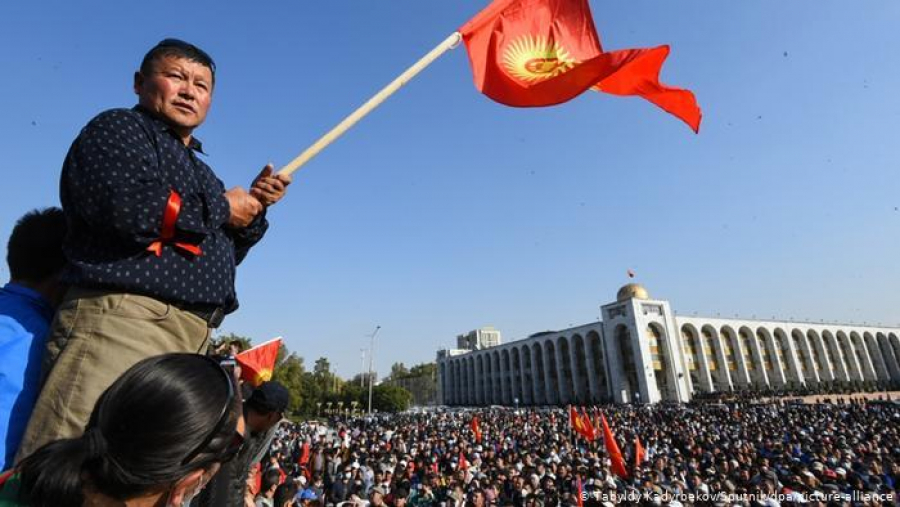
point(154, 238)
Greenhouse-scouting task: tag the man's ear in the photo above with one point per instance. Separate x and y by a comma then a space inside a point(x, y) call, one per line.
point(184, 486)
point(138, 82)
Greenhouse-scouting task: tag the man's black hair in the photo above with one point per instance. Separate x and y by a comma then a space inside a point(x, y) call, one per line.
point(178, 48)
point(35, 249)
point(285, 492)
point(269, 479)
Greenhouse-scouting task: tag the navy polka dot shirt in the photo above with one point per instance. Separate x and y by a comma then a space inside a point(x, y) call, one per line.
point(114, 188)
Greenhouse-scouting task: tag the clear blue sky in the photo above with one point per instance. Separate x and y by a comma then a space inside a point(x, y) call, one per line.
point(442, 211)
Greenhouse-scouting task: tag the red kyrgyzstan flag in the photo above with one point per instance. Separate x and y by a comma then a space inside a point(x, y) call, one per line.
point(615, 455)
point(578, 424)
point(476, 429)
point(580, 498)
point(258, 363)
point(304, 455)
point(529, 53)
point(589, 432)
point(639, 452)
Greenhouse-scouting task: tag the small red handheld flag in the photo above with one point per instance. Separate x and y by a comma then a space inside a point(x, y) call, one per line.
point(258, 363)
point(528, 53)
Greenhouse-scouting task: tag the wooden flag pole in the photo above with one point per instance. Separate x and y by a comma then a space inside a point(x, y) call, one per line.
point(449, 43)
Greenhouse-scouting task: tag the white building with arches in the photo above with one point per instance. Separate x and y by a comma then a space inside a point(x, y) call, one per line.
point(641, 351)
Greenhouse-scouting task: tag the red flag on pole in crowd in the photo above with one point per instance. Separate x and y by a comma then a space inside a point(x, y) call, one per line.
point(463, 464)
point(574, 420)
point(615, 455)
point(578, 424)
point(590, 434)
point(476, 429)
point(529, 53)
point(304, 455)
point(639, 452)
point(258, 362)
point(580, 498)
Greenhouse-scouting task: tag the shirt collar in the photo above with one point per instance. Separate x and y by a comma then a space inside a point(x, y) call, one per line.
point(28, 293)
point(161, 126)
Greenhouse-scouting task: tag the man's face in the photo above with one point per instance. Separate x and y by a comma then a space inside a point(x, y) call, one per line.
point(177, 90)
point(260, 423)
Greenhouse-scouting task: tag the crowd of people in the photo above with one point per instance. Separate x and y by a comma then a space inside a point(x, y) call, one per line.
point(696, 454)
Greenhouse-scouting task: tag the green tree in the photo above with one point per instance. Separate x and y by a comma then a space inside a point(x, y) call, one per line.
point(289, 372)
point(362, 379)
point(217, 342)
point(352, 392)
point(322, 366)
point(324, 377)
point(313, 392)
point(423, 370)
point(398, 370)
point(390, 398)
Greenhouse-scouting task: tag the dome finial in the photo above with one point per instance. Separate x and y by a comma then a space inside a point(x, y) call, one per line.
point(632, 290)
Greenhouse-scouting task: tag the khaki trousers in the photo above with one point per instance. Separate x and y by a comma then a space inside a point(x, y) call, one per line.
point(95, 336)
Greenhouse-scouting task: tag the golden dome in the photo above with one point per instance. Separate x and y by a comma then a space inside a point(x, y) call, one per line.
point(632, 290)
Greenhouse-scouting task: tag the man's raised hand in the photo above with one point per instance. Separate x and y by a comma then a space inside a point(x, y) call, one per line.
point(269, 188)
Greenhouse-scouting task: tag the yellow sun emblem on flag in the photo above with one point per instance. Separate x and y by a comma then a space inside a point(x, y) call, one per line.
point(535, 58)
point(263, 375)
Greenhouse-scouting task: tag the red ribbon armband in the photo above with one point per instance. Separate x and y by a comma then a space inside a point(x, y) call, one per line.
point(173, 208)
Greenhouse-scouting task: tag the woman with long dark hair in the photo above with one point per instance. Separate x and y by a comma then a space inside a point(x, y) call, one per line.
point(155, 438)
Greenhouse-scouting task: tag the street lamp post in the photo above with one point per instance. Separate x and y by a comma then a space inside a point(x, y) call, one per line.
point(362, 367)
point(371, 357)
